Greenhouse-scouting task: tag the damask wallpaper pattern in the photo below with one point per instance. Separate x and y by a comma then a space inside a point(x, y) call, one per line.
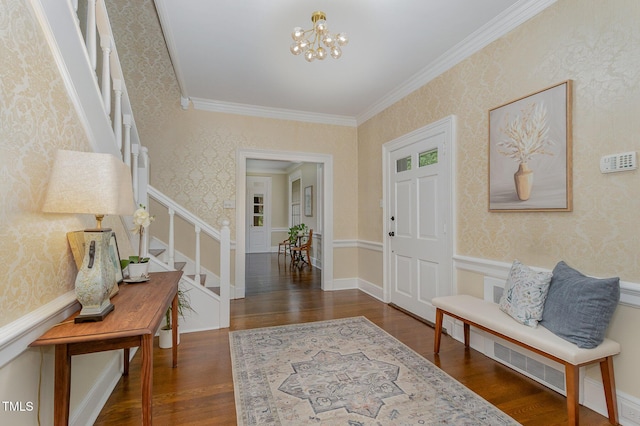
point(193, 153)
point(36, 119)
point(596, 45)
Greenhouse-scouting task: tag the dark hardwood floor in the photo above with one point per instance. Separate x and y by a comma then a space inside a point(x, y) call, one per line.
point(200, 390)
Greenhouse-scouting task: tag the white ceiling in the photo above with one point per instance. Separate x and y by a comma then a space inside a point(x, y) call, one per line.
point(233, 55)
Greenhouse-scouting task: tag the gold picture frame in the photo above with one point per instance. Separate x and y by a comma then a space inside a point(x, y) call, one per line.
point(530, 152)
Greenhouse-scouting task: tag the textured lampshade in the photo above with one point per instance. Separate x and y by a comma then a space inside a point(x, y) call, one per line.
point(97, 184)
point(89, 183)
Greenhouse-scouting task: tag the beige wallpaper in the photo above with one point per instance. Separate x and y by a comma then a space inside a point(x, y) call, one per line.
point(193, 153)
point(36, 119)
point(596, 45)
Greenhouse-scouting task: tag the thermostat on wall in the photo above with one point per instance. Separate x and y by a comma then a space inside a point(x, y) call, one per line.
point(618, 162)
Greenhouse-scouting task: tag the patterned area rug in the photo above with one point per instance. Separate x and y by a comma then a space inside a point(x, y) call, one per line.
point(345, 372)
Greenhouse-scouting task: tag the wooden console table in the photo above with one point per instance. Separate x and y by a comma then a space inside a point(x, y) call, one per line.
point(139, 309)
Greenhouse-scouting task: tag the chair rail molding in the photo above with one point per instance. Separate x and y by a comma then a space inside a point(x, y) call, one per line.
point(629, 291)
point(16, 336)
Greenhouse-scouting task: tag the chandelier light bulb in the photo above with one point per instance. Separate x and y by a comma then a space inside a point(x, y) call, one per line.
point(328, 40)
point(304, 44)
point(321, 27)
point(310, 55)
point(296, 49)
point(336, 52)
point(297, 33)
point(342, 39)
point(311, 42)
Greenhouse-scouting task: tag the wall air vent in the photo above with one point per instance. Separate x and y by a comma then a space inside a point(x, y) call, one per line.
point(540, 369)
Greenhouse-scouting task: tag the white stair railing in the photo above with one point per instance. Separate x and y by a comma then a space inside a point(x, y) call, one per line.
point(112, 88)
point(222, 237)
point(99, 85)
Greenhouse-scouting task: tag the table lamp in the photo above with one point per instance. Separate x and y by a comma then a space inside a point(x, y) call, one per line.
point(97, 184)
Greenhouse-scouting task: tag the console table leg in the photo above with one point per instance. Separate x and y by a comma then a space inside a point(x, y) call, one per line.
point(62, 392)
point(174, 330)
point(125, 362)
point(146, 381)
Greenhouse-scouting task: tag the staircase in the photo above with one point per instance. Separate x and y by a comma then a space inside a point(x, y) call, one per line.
point(81, 40)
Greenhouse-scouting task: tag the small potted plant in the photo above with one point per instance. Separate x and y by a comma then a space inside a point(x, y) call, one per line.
point(138, 266)
point(184, 305)
point(297, 231)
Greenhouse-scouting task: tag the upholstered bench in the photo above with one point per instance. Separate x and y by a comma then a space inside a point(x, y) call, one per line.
point(487, 316)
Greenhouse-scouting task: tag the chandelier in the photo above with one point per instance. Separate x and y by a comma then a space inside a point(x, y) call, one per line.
point(322, 41)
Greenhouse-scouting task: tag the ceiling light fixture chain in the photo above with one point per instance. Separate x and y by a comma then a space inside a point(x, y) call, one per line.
point(322, 40)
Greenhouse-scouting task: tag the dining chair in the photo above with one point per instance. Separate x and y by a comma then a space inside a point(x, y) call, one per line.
point(284, 247)
point(297, 251)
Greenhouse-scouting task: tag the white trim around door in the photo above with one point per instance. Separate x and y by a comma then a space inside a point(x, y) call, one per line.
point(326, 160)
point(446, 127)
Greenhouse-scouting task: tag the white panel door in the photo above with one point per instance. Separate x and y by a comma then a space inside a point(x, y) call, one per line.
point(419, 206)
point(258, 214)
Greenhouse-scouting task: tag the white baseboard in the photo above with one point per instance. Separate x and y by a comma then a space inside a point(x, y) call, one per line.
point(359, 284)
point(628, 406)
point(345, 283)
point(89, 408)
point(591, 394)
point(371, 289)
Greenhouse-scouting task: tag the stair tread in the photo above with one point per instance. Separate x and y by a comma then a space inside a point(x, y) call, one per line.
point(203, 278)
point(179, 266)
point(216, 290)
point(156, 251)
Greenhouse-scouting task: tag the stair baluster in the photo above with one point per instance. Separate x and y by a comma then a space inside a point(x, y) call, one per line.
point(172, 238)
point(196, 277)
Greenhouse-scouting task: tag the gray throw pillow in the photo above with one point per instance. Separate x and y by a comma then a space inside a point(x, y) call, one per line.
point(578, 308)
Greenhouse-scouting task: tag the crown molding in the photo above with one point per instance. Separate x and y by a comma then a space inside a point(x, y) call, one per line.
point(502, 24)
point(173, 52)
point(278, 113)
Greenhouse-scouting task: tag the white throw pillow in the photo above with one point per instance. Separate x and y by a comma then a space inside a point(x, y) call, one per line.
point(525, 293)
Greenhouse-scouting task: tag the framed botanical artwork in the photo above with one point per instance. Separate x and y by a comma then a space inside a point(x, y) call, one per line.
point(530, 164)
point(308, 201)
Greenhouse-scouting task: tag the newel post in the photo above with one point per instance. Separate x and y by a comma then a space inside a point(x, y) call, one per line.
point(225, 273)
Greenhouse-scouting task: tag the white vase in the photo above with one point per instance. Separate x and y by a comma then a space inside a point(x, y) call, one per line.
point(165, 339)
point(138, 270)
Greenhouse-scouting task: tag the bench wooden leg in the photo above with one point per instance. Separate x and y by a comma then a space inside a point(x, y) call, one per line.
point(609, 383)
point(572, 378)
point(438, 331)
point(467, 339)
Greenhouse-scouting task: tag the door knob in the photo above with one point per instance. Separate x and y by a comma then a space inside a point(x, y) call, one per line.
point(391, 234)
